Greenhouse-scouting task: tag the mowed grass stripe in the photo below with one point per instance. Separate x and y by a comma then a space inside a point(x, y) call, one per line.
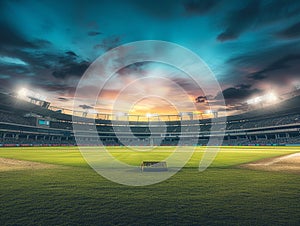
point(71, 156)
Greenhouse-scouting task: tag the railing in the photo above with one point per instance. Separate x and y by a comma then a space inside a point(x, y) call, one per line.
point(121, 116)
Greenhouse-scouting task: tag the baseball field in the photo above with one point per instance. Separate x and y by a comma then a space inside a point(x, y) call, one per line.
point(243, 186)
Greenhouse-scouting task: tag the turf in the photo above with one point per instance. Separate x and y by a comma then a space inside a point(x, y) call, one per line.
point(223, 194)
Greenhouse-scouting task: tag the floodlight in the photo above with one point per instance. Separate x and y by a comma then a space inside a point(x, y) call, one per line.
point(210, 111)
point(207, 112)
point(33, 95)
point(92, 111)
point(186, 113)
point(22, 93)
point(271, 97)
point(255, 100)
point(265, 99)
point(120, 114)
point(148, 115)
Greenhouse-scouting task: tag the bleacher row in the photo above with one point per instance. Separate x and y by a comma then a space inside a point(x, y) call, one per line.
point(145, 128)
point(265, 122)
point(18, 125)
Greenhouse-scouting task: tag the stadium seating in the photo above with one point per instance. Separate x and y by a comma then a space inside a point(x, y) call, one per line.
point(278, 125)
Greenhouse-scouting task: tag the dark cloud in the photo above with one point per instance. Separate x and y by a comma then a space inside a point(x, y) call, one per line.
point(138, 68)
point(204, 101)
point(15, 45)
point(201, 99)
point(69, 64)
point(291, 32)
point(40, 43)
point(237, 94)
point(46, 70)
point(257, 14)
point(262, 55)
point(278, 10)
point(62, 65)
point(187, 84)
point(283, 63)
point(11, 38)
point(109, 43)
point(199, 6)
point(40, 59)
point(12, 69)
point(94, 33)
point(276, 66)
point(71, 69)
point(63, 99)
point(60, 89)
point(71, 53)
point(244, 86)
point(39, 56)
point(84, 106)
point(240, 20)
point(257, 75)
point(235, 107)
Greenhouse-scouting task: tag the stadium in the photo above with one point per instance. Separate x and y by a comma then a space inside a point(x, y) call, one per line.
point(149, 112)
point(39, 150)
point(28, 124)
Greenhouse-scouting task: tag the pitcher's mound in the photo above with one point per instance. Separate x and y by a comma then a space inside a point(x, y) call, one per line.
point(288, 163)
point(13, 164)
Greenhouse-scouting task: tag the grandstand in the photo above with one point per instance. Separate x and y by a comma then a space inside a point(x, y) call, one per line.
point(27, 124)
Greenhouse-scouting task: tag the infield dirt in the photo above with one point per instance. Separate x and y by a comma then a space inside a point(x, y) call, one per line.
point(13, 164)
point(288, 163)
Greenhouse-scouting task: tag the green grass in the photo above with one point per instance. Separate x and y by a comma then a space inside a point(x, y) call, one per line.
point(221, 195)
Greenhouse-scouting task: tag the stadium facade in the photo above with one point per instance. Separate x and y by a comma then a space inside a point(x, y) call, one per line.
point(27, 124)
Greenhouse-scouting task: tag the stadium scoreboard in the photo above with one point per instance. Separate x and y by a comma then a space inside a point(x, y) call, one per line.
point(43, 122)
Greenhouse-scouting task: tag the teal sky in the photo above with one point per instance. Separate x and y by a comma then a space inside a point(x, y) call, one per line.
point(251, 46)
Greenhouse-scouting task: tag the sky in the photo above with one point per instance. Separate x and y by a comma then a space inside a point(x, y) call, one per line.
point(252, 47)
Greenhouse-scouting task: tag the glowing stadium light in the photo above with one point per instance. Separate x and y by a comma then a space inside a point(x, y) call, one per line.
point(212, 112)
point(22, 93)
point(255, 100)
point(186, 113)
point(120, 114)
point(209, 112)
point(267, 98)
point(92, 111)
point(32, 97)
point(271, 97)
point(149, 115)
